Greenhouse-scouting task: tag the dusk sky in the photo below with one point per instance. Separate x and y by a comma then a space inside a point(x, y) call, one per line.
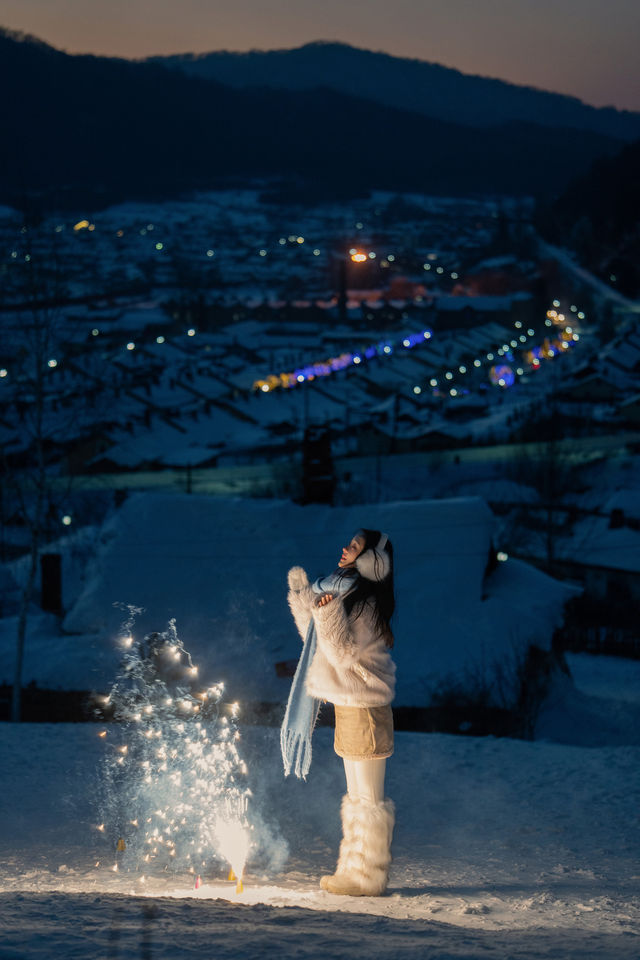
point(588, 48)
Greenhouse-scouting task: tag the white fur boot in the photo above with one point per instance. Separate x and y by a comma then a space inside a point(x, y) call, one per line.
point(365, 850)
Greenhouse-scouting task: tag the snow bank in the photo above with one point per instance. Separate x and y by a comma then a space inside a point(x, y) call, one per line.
point(219, 567)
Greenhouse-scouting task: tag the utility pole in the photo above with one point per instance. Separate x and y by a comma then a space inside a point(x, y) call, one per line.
point(342, 296)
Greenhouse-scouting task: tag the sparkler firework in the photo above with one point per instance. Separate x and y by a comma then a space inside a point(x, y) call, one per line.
point(175, 795)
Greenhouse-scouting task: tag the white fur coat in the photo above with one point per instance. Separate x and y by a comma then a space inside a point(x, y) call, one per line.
point(352, 665)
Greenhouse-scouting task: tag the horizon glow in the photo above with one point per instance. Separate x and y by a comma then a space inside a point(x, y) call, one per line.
point(584, 48)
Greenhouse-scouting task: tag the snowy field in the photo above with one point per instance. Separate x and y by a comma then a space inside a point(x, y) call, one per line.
point(502, 849)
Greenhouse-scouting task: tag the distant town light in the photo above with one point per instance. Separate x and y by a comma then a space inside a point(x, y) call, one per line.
point(300, 378)
point(573, 308)
point(282, 241)
point(119, 233)
point(417, 389)
point(352, 251)
point(131, 345)
point(454, 275)
point(67, 521)
point(453, 392)
point(265, 388)
point(502, 382)
point(406, 343)
point(576, 336)
point(53, 362)
point(426, 266)
point(263, 252)
point(427, 334)
point(149, 226)
point(3, 372)
point(159, 246)
point(292, 238)
point(357, 359)
point(386, 348)
point(448, 375)
point(191, 332)
point(160, 339)
point(316, 252)
point(433, 382)
point(530, 332)
point(391, 258)
point(502, 557)
point(548, 323)
point(518, 324)
point(556, 303)
point(568, 329)
point(489, 356)
point(519, 371)
point(358, 257)
point(81, 225)
point(210, 253)
point(477, 363)
point(359, 225)
point(580, 315)
point(372, 255)
point(522, 338)
point(432, 256)
point(514, 343)
point(95, 332)
point(439, 269)
point(462, 369)
point(299, 239)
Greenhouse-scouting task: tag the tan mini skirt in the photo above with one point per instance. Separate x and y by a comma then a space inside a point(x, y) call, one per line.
point(364, 733)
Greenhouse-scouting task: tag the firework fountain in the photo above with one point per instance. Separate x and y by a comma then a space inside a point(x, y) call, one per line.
point(175, 796)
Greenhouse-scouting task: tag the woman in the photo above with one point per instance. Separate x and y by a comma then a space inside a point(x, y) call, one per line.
point(352, 668)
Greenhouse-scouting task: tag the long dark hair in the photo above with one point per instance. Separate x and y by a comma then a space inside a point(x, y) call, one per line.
point(380, 591)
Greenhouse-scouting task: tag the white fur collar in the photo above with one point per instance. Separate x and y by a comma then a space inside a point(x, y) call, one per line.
point(373, 564)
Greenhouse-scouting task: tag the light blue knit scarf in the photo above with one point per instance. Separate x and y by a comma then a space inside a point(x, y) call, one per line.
point(302, 709)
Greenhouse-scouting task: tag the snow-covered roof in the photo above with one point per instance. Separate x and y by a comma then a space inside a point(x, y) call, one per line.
point(453, 304)
point(219, 567)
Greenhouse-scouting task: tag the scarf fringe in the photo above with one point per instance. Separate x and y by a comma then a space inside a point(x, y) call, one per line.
point(296, 752)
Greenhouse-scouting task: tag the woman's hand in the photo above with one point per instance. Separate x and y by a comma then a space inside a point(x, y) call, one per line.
point(298, 579)
point(324, 599)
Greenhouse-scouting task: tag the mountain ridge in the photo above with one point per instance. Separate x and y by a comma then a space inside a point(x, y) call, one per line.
point(423, 86)
point(90, 129)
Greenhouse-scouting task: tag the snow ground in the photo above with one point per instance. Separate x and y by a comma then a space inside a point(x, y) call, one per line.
point(613, 678)
point(502, 849)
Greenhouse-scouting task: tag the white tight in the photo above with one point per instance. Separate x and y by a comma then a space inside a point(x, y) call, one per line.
point(365, 779)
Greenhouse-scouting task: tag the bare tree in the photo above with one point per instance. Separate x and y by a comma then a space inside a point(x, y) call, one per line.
point(549, 467)
point(31, 418)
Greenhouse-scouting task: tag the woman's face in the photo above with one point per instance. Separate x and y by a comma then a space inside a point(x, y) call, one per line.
point(352, 552)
